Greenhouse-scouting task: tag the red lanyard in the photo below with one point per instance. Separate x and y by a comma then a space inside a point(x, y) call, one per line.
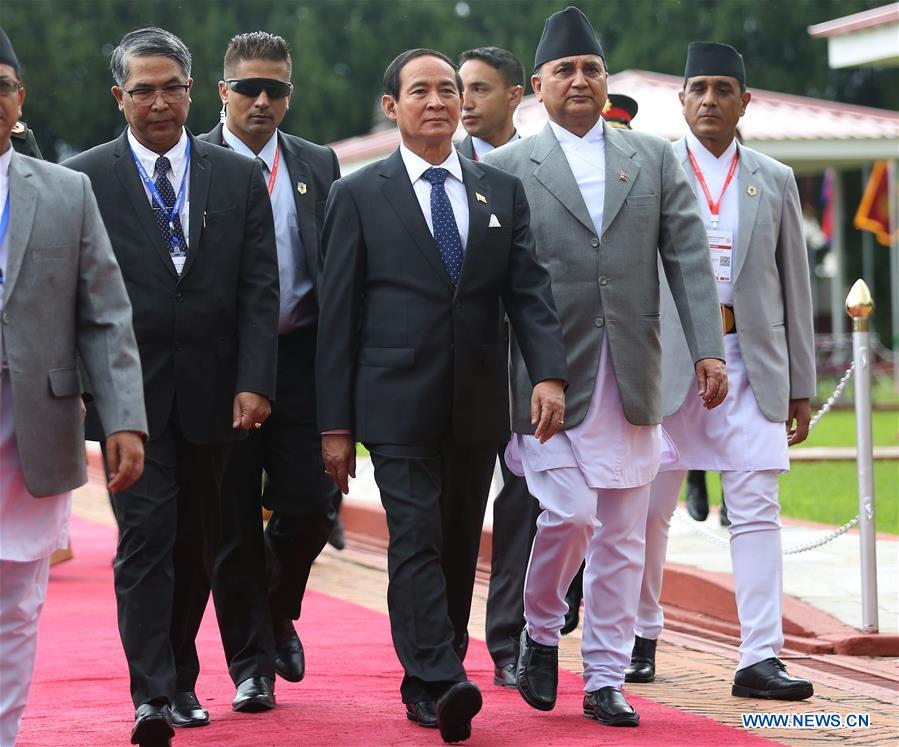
point(714, 207)
point(274, 174)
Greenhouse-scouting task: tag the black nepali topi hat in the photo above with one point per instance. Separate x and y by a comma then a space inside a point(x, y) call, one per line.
point(7, 53)
point(713, 58)
point(566, 34)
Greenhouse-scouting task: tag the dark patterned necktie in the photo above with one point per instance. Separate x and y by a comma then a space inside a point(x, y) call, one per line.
point(169, 230)
point(446, 232)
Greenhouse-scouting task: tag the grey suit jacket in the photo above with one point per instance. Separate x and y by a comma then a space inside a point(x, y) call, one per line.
point(772, 293)
point(65, 297)
point(466, 147)
point(611, 282)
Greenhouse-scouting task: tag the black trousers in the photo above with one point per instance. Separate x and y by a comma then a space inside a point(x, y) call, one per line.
point(515, 513)
point(169, 524)
point(261, 577)
point(435, 498)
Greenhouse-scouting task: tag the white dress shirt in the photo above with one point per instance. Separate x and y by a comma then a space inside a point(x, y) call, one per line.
point(714, 171)
point(454, 185)
point(180, 169)
point(297, 306)
point(5, 158)
point(482, 147)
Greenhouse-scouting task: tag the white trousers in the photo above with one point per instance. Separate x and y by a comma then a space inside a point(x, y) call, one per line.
point(605, 526)
point(755, 551)
point(23, 586)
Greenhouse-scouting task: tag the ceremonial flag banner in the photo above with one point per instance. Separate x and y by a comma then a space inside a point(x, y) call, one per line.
point(873, 212)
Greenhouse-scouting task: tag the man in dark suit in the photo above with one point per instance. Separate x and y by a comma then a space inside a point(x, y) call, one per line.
point(196, 245)
point(420, 249)
point(256, 602)
point(492, 87)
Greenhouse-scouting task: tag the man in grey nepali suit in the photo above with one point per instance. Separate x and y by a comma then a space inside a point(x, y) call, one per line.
point(605, 206)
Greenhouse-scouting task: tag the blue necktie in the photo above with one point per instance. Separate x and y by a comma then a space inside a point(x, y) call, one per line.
point(167, 193)
point(446, 232)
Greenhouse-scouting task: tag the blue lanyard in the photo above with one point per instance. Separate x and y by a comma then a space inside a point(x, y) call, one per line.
point(157, 198)
point(4, 224)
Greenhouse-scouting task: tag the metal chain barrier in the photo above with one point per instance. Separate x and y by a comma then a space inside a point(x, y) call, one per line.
point(682, 515)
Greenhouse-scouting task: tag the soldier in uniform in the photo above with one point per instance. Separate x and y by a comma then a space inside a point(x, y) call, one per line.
point(23, 140)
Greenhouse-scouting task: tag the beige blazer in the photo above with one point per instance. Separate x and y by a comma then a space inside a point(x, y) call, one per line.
point(64, 299)
point(610, 283)
point(772, 293)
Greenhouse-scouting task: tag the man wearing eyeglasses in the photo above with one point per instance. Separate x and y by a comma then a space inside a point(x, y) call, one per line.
point(257, 601)
point(191, 226)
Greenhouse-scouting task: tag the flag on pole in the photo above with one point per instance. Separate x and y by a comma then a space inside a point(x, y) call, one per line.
point(873, 212)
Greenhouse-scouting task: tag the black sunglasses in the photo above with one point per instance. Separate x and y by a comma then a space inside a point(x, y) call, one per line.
point(275, 89)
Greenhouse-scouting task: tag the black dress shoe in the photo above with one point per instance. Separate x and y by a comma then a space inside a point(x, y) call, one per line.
point(337, 538)
point(537, 673)
point(768, 679)
point(609, 706)
point(187, 710)
point(723, 518)
point(423, 713)
point(290, 660)
point(253, 695)
point(455, 710)
point(573, 600)
point(505, 677)
point(152, 725)
point(697, 495)
point(643, 661)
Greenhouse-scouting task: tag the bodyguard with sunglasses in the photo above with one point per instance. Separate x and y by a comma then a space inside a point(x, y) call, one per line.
point(191, 226)
point(260, 578)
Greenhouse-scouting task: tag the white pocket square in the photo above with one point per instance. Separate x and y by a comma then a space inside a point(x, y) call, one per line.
point(494, 221)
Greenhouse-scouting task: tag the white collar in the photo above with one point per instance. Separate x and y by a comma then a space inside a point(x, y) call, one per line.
point(416, 165)
point(704, 155)
point(5, 158)
point(267, 154)
point(146, 155)
point(596, 135)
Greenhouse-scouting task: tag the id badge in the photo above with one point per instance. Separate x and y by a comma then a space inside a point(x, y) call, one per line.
point(721, 244)
point(179, 258)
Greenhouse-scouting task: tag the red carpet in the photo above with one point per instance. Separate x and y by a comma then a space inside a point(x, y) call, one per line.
point(350, 696)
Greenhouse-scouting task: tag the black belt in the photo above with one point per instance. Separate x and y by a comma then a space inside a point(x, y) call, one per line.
point(728, 320)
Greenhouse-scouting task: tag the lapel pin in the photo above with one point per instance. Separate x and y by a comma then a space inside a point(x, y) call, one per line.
point(480, 198)
point(301, 187)
point(622, 177)
point(751, 190)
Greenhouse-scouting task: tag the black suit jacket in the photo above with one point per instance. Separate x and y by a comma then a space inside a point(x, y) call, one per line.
point(212, 332)
point(312, 168)
point(403, 356)
point(466, 148)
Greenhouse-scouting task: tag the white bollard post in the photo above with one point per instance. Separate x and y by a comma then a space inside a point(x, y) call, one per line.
point(859, 306)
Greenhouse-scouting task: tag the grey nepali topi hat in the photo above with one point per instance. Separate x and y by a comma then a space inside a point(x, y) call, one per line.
point(566, 34)
point(713, 58)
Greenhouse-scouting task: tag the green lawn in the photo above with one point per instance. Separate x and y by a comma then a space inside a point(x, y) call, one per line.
point(827, 491)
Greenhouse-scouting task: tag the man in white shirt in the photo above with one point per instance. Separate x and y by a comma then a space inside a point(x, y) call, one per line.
point(750, 205)
point(260, 578)
point(420, 251)
point(53, 247)
point(606, 207)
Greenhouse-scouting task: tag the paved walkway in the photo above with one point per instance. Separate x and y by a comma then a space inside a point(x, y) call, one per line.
point(694, 671)
point(827, 577)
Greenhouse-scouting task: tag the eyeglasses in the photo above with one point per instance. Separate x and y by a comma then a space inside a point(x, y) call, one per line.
point(174, 94)
point(9, 86)
point(252, 87)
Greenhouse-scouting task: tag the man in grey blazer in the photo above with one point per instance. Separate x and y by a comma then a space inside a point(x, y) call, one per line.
point(61, 297)
point(751, 205)
point(605, 206)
